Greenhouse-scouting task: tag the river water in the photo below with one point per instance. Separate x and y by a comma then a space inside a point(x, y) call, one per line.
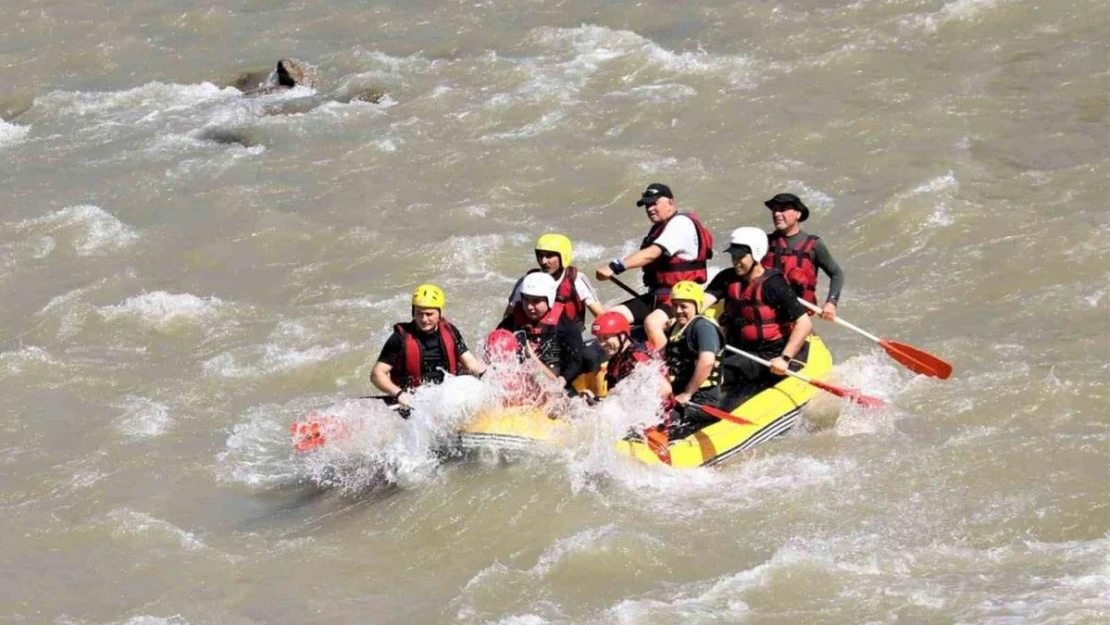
point(184, 272)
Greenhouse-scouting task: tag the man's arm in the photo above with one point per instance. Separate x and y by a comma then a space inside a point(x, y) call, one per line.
point(826, 263)
point(472, 364)
point(781, 298)
point(709, 345)
point(718, 287)
point(573, 350)
point(639, 258)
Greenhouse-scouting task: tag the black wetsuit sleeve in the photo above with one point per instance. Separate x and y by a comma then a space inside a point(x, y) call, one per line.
point(778, 294)
point(506, 324)
point(460, 343)
point(826, 263)
point(573, 351)
point(718, 286)
point(391, 351)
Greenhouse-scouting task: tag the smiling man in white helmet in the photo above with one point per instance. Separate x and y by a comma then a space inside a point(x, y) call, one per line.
point(761, 316)
point(553, 340)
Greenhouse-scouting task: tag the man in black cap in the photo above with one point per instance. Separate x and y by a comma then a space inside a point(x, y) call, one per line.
point(798, 254)
point(676, 248)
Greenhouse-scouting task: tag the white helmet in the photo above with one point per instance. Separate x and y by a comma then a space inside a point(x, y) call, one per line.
point(539, 284)
point(751, 237)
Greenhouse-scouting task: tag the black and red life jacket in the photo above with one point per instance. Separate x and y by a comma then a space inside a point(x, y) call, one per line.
point(574, 308)
point(623, 362)
point(751, 321)
point(410, 368)
point(669, 270)
point(798, 264)
point(542, 334)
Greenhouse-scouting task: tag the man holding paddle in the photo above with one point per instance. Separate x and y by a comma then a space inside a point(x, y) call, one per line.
point(676, 248)
point(798, 255)
point(422, 350)
point(761, 315)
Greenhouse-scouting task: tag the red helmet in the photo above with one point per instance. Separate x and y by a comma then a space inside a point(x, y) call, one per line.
point(610, 323)
point(501, 344)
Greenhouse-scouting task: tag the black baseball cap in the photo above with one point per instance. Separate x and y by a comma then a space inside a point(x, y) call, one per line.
point(789, 199)
point(653, 192)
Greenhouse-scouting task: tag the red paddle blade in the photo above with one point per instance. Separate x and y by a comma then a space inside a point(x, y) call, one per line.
point(916, 360)
point(314, 431)
point(722, 415)
point(850, 394)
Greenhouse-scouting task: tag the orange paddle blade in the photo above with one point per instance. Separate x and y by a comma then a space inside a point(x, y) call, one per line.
point(314, 431)
point(916, 360)
point(850, 394)
point(658, 442)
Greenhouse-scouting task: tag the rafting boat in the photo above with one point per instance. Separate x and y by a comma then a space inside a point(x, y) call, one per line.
point(769, 413)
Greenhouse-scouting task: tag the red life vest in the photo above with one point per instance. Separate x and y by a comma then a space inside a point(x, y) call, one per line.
point(623, 362)
point(798, 264)
point(669, 270)
point(409, 371)
point(540, 334)
point(573, 307)
point(751, 321)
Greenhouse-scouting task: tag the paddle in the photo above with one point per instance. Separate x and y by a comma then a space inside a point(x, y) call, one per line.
point(624, 286)
point(658, 442)
point(846, 393)
point(314, 430)
point(720, 414)
point(908, 356)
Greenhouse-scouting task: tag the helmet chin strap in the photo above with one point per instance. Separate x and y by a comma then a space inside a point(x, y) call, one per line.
point(748, 273)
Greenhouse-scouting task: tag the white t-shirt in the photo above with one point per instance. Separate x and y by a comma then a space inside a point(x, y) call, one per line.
point(679, 238)
point(582, 286)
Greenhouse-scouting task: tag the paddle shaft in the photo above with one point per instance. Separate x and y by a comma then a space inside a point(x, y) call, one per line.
point(910, 357)
point(627, 289)
point(840, 321)
point(720, 414)
point(852, 394)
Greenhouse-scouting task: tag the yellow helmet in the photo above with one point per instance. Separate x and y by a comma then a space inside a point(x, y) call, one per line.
point(690, 292)
point(559, 244)
point(429, 296)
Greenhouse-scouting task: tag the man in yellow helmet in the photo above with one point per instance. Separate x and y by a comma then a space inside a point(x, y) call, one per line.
point(554, 255)
point(692, 354)
point(421, 351)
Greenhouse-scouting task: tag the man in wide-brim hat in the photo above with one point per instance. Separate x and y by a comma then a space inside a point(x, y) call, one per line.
point(798, 254)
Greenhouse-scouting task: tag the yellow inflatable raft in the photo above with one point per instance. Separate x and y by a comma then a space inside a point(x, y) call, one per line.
point(771, 412)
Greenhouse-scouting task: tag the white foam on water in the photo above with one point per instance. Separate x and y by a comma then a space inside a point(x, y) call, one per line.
point(130, 524)
point(523, 619)
point(146, 103)
point(870, 374)
point(367, 444)
point(10, 134)
point(164, 311)
point(954, 11)
point(474, 253)
point(142, 418)
point(20, 360)
point(269, 359)
point(90, 229)
point(1094, 299)
point(146, 619)
point(588, 49)
point(588, 251)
